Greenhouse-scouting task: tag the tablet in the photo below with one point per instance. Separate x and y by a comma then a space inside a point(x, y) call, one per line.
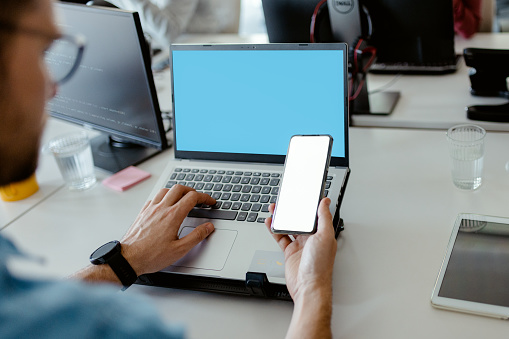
point(474, 276)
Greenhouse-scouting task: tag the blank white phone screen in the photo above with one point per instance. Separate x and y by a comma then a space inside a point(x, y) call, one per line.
point(301, 186)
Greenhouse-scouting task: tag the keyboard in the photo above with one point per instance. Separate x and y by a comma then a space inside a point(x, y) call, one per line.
point(442, 67)
point(240, 195)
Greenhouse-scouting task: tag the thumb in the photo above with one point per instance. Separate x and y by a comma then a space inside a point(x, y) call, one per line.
point(196, 236)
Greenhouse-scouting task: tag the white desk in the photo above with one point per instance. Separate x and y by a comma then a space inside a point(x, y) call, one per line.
point(437, 102)
point(399, 209)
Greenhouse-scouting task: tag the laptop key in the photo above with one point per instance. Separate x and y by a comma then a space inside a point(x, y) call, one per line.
point(212, 214)
point(226, 205)
point(260, 220)
point(235, 197)
point(265, 199)
point(265, 208)
point(242, 216)
point(246, 206)
point(236, 206)
point(252, 217)
point(256, 207)
point(245, 197)
point(170, 184)
point(274, 182)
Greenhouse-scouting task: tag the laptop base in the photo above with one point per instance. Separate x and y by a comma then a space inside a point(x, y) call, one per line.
point(255, 285)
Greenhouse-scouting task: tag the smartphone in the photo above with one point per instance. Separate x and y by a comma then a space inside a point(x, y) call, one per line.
point(303, 184)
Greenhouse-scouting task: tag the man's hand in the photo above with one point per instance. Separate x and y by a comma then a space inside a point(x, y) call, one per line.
point(309, 262)
point(152, 242)
point(309, 258)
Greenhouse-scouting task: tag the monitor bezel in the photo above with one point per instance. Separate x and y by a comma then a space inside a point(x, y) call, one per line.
point(160, 144)
point(261, 158)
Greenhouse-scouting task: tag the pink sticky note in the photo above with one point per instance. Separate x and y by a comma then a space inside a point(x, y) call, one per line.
point(126, 178)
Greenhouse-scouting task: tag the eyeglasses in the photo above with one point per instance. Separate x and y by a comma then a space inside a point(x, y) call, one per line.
point(64, 55)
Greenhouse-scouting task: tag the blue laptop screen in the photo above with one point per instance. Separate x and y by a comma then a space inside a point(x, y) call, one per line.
point(253, 101)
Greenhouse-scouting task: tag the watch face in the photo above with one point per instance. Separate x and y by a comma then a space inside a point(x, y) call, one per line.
point(104, 250)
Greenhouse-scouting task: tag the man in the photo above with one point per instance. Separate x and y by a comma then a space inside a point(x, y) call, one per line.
point(77, 309)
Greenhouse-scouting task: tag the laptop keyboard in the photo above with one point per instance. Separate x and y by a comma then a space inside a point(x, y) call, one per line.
point(440, 67)
point(240, 195)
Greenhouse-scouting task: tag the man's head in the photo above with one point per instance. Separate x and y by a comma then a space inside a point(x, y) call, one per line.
point(27, 29)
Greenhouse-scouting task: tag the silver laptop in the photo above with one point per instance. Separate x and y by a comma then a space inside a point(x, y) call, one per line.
point(235, 109)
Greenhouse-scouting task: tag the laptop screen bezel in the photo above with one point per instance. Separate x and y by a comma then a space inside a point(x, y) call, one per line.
point(261, 158)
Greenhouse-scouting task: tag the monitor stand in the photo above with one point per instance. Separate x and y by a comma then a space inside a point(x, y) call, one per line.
point(379, 103)
point(114, 154)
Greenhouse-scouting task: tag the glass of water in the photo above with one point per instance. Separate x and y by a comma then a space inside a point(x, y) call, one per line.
point(74, 158)
point(466, 149)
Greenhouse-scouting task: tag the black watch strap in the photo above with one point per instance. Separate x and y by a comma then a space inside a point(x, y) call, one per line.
point(122, 269)
point(110, 253)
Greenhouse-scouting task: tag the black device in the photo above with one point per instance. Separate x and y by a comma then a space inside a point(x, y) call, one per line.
point(488, 78)
point(412, 37)
point(110, 253)
point(113, 90)
point(303, 184)
point(289, 21)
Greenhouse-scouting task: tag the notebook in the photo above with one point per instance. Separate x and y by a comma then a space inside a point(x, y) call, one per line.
point(235, 108)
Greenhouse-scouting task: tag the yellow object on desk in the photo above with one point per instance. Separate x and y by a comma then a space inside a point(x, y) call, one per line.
point(19, 190)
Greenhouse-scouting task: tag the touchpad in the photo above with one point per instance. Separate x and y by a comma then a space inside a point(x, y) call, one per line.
point(211, 253)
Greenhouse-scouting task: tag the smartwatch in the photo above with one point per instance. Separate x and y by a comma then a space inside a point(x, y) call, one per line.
point(110, 254)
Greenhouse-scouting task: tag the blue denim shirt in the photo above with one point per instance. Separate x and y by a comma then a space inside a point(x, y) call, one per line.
point(70, 309)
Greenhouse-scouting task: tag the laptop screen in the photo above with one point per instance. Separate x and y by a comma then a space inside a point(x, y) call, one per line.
point(244, 102)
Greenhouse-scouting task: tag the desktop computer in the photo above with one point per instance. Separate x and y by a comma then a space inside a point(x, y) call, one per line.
point(113, 89)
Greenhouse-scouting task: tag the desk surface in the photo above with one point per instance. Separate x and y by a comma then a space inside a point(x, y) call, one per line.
point(436, 102)
point(399, 210)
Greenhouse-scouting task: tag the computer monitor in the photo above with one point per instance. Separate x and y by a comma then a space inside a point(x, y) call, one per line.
point(289, 21)
point(113, 89)
point(413, 32)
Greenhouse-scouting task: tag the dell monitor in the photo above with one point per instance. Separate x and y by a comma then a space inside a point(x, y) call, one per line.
point(113, 89)
point(412, 36)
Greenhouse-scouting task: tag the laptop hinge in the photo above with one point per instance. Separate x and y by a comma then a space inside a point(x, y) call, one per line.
point(257, 283)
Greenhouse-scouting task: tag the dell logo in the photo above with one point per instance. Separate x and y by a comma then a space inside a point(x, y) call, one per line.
point(343, 6)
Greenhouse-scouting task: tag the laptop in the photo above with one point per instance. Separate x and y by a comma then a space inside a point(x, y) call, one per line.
point(235, 108)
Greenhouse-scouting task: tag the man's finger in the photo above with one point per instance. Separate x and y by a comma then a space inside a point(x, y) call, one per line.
point(195, 237)
point(175, 194)
point(324, 215)
point(282, 240)
point(193, 198)
point(160, 195)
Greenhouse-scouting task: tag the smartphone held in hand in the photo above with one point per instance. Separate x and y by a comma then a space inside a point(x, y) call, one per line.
point(303, 184)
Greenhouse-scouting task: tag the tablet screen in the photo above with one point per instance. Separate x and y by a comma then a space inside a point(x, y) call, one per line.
point(478, 268)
